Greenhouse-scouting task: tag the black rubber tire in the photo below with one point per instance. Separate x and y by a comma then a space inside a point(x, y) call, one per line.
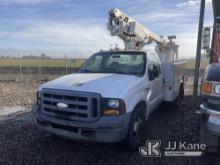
point(176, 103)
point(136, 130)
point(179, 100)
point(182, 93)
point(211, 140)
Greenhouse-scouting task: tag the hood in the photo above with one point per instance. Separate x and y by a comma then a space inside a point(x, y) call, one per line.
point(108, 85)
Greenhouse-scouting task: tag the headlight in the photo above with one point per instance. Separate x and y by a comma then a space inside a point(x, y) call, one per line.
point(112, 103)
point(217, 89)
point(113, 107)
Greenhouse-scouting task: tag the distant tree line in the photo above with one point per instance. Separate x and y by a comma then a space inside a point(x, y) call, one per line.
point(5, 57)
point(42, 56)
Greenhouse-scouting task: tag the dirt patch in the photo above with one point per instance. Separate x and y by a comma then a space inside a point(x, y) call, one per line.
point(17, 93)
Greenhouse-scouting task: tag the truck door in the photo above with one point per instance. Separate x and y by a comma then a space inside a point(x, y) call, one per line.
point(155, 80)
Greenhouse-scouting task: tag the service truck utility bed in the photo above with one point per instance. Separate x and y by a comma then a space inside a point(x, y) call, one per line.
point(173, 75)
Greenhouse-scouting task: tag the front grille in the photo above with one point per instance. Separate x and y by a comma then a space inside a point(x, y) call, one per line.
point(81, 106)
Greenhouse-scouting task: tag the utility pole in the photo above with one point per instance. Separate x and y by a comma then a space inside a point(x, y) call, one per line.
point(198, 53)
point(66, 71)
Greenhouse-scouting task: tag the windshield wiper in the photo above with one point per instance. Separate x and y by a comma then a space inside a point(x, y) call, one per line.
point(85, 71)
point(130, 73)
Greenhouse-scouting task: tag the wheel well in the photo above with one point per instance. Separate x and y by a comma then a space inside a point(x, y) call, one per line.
point(143, 106)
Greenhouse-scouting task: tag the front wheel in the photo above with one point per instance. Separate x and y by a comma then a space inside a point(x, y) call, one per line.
point(136, 130)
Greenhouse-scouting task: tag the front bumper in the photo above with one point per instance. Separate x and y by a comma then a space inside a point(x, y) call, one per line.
point(213, 119)
point(106, 129)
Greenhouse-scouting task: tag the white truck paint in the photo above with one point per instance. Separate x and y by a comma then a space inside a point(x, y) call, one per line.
point(111, 102)
point(133, 90)
point(173, 75)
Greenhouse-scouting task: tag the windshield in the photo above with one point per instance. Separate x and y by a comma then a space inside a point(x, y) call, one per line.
point(116, 62)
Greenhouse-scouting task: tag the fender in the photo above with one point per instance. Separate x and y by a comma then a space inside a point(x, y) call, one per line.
point(132, 100)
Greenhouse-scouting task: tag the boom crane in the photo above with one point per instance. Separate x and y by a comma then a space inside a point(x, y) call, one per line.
point(135, 35)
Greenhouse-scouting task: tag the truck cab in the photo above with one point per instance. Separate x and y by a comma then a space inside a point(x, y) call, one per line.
point(210, 108)
point(109, 99)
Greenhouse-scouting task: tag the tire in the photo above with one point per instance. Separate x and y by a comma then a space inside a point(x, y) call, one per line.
point(211, 140)
point(178, 101)
point(135, 133)
point(182, 93)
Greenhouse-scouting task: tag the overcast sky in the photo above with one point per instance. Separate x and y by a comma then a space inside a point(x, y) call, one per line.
point(80, 25)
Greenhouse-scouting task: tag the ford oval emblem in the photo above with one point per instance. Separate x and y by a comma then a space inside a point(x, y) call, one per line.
point(62, 105)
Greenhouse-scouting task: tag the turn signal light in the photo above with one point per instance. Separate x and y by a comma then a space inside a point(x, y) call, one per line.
point(111, 112)
point(207, 88)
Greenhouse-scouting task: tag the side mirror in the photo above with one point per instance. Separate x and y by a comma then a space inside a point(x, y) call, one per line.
point(155, 70)
point(152, 72)
point(206, 39)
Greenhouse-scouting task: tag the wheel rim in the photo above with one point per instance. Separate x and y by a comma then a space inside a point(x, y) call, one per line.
point(137, 130)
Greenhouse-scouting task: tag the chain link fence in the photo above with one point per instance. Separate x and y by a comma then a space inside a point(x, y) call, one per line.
point(21, 76)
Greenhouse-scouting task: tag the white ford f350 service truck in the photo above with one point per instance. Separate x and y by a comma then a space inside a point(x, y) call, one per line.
point(115, 91)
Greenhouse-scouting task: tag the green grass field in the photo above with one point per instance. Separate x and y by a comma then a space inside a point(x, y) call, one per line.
point(70, 63)
point(41, 62)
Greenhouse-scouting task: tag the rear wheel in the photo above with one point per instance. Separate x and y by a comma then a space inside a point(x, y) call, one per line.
point(182, 93)
point(136, 130)
point(178, 101)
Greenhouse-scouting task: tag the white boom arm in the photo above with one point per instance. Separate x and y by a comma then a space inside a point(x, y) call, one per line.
point(130, 31)
point(135, 35)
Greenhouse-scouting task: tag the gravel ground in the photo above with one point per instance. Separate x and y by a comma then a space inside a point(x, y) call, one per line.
point(22, 142)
